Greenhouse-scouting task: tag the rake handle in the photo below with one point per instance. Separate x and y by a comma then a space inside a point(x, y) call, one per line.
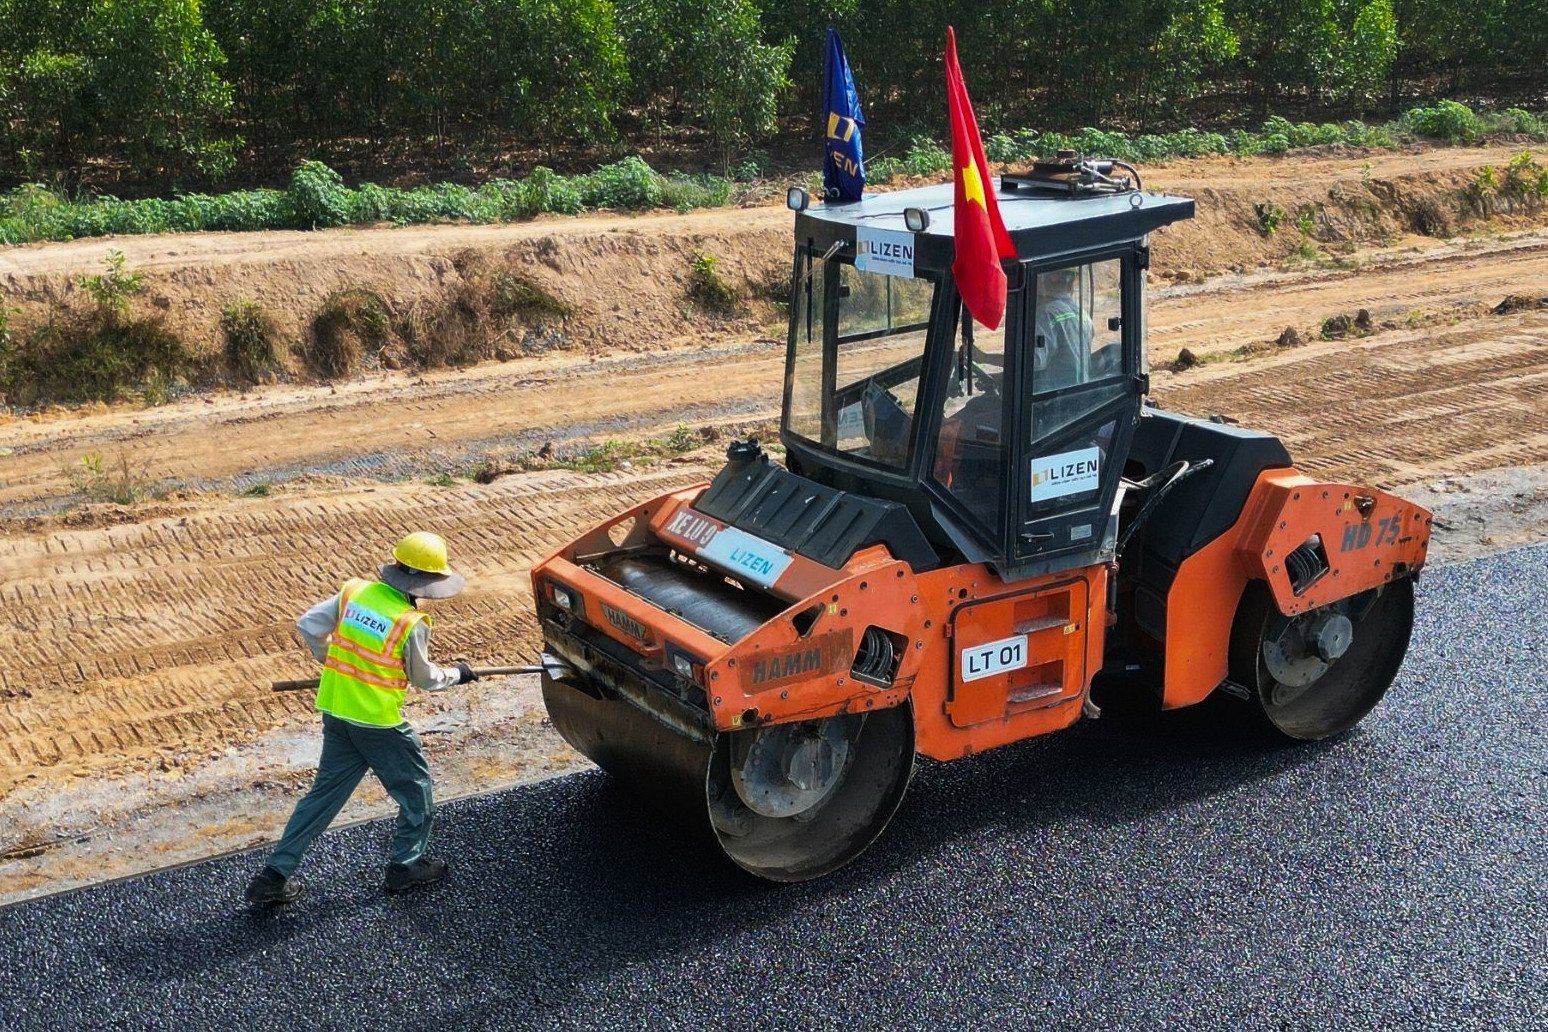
point(303, 683)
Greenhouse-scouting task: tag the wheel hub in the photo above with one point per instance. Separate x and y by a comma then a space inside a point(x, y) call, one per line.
point(1299, 650)
point(787, 769)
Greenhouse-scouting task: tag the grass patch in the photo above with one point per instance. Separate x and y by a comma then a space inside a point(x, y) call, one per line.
point(352, 325)
point(708, 289)
point(252, 343)
point(98, 479)
point(102, 352)
point(513, 294)
point(610, 455)
point(262, 489)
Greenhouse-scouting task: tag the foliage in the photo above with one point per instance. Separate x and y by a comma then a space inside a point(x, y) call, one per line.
point(318, 195)
point(111, 290)
point(714, 63)
point(708, 288)
point(1270, 215)
point(252, 341)
point(1446, 120)
point(97, 353)
point(628, 184)
point(140, 79)
point(98, 479)
point(352, 325)
point(166, 95)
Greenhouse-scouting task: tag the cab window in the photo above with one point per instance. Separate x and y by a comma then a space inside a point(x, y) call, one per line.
point(1077, 329)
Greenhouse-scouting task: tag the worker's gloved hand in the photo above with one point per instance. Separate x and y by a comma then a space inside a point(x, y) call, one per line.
point(465, 672)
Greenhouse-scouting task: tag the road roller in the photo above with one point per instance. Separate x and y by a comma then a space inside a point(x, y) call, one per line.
point(965, 529)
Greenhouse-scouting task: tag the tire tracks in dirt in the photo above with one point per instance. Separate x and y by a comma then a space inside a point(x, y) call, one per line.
point(133, 643)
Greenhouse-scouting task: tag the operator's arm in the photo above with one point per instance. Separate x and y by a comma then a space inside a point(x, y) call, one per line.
point(423, 674)
point(316, 624)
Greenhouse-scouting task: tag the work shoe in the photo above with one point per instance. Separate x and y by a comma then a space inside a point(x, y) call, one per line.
point(270, 886)
point(424, 871)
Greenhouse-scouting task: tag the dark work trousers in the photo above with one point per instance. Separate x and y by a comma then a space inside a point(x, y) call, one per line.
point(397, 758)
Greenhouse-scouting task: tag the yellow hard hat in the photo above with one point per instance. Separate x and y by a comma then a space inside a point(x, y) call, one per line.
point(424, 551)
point(420, 569)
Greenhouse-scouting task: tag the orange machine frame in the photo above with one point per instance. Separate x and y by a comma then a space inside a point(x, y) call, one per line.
point(1369, 537)
point(986, 662)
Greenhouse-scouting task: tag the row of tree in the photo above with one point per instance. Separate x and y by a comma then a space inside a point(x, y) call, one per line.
point(179, 90)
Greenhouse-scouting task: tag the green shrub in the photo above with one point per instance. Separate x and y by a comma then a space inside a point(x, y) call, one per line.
point(1519, 121)
point(318, 195)
point(883, 170)
point(686, 192)
point(925, 157)
point(1270, 215)
point(543, 189)
point(1446, 120)
point(252, 340)
point(629, 183)
point(110, 291)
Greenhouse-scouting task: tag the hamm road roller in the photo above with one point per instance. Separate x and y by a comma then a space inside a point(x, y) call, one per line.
point(967, 528)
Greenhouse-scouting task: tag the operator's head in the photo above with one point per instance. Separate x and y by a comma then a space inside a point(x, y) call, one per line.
point(1061, 281)
point(419, 568)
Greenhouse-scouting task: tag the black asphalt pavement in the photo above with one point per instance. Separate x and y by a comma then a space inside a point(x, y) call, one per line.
point(1141, 871)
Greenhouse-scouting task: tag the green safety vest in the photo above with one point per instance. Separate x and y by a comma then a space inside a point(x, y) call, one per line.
point(364, 678)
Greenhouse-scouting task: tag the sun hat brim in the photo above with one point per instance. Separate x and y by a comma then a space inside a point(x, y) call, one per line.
point(419, 583)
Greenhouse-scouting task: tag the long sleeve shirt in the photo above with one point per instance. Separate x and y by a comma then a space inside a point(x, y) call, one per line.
point(318, 622)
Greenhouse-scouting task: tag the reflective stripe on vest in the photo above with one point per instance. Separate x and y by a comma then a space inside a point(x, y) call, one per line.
point(364, 678)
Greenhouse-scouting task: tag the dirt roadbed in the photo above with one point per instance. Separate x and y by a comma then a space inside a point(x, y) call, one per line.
point(136, 726)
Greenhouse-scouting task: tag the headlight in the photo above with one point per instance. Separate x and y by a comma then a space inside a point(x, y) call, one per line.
point(566, 599)
point(684, 665)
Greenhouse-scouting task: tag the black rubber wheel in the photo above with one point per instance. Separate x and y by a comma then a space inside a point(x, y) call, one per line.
point(802, 827)
point(1312, 697)
point(865, 792)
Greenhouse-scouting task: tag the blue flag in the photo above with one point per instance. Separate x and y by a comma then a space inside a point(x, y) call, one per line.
point(843, 165)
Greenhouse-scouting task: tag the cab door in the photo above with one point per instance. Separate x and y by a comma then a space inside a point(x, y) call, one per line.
point(1081, 389)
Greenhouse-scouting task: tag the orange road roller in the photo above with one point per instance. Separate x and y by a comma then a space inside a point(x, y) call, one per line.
point(967, 528)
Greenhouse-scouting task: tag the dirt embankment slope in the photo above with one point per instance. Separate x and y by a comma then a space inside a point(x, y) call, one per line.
point(139, 642)
point(625, 278)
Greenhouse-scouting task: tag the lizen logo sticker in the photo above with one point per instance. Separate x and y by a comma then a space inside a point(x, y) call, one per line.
point(851, 423)
point(758, 560)
point(997, 657)
point(362, 620)
point(1068, 473)
point(886, 251)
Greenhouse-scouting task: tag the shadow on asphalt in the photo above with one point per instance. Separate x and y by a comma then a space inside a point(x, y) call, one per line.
point(562, 883)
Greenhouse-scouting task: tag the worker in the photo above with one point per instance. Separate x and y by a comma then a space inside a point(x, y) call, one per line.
point(1062, 332)
point(373, 642)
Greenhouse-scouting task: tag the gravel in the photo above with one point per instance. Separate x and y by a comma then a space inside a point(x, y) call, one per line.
point(1140, 871)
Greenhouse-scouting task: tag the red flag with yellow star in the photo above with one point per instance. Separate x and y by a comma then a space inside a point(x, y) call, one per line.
point(981, 237)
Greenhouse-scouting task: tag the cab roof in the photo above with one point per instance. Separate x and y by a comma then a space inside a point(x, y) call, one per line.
point(1041, 223)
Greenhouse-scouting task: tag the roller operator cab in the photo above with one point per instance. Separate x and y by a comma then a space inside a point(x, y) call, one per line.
point(968, 527)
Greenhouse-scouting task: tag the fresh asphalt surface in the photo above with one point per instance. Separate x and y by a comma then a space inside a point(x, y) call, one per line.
point(1137, 872)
